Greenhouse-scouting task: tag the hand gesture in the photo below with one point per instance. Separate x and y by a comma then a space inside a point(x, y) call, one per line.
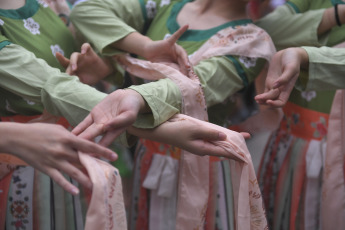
point(52, 150)
point(111, 116)
point(87, 65)
point(168, 52)
point(188, 134)
point(282, 74)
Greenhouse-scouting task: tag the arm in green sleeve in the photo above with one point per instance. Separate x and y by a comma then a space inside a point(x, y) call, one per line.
point(219, 79)
point(326, 68)
point(29, 77)
point(103, 22)
point(288, 29)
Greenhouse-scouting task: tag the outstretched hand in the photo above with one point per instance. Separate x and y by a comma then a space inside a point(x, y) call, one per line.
point(87, 65)
point(282, 75)
point(188, 134)
point(168, 52)
point(112, 116)
point(53, 150)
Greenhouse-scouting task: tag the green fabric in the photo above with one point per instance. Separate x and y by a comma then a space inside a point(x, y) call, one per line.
point(4, 43)
point(326, 69)
point(288, 29)
point(45, 86)
point(337, 33)
point(28, 26)
point(319, 100)
point(104, 22)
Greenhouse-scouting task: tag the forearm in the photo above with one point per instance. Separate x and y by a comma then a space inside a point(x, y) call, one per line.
point(329, 19)
point(8, 132)
point(25, 75)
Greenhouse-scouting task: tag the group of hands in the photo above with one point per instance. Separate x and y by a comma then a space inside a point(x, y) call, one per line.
point(118, 111)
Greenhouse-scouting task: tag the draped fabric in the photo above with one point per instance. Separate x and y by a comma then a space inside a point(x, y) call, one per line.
point(198, 183)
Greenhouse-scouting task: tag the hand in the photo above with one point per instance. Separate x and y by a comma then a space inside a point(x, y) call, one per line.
point(111, 116)
point(282, 75)
point(168, 52)
point(186, 133)
point(52, 150)
point(87, 65)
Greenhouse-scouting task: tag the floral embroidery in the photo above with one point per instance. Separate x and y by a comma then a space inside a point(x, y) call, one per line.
point(56, 48)
point(320, 128)
point(43, 3)
point(29, 102)
point(2, 22)
point(166, 36)
point(151, 9)
point(248, 61)
point(164, 3)
point(308, 95)
point(31, 25)
point(8, 107)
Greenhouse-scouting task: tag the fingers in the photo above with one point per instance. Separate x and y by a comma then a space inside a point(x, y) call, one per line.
point(175, 36)
point(85, 48)
point(93, 148)
point(76, 174)
point(286, 77)
point(62, 60)
point(269, 95)
point(109, 137)
point(245, 135)
point(62, 181)
point(82, 126)
point(73, 66)
point(123, 120)
point(208, 134)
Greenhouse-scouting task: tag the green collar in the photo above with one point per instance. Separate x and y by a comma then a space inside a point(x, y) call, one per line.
point(28, 10)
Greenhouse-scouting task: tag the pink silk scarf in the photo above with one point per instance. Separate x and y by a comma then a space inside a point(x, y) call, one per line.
point(193, 181)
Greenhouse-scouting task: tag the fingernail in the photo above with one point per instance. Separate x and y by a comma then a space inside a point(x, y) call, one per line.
point(74, 67)
point(276, 85)
point(222, 136)
point(75, 191)
point(114, 156)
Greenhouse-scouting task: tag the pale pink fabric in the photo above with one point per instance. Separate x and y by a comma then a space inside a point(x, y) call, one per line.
point(106, 207)
point(193, 184)
point(333, 187)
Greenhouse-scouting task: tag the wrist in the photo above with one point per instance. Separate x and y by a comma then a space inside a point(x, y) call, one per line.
point(303, 57)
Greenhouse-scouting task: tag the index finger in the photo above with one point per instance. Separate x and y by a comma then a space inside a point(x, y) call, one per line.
point(83, 125)
point(87, 146)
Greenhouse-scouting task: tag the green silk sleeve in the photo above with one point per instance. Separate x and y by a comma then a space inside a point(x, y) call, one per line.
point(60, 94)
point(326, 69)
point(289, 29)
point(103, 22)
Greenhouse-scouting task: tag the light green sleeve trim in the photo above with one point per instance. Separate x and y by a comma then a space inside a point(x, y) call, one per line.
point(63, 95)
point(219, 79)
point(164, 99)
point(326, 68)
point(4, 43)
point(103, 22)
point(288, 29)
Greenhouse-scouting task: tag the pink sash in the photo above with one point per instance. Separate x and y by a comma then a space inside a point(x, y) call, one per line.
point(193, 182)
point(106, 207)
point(333, 188)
